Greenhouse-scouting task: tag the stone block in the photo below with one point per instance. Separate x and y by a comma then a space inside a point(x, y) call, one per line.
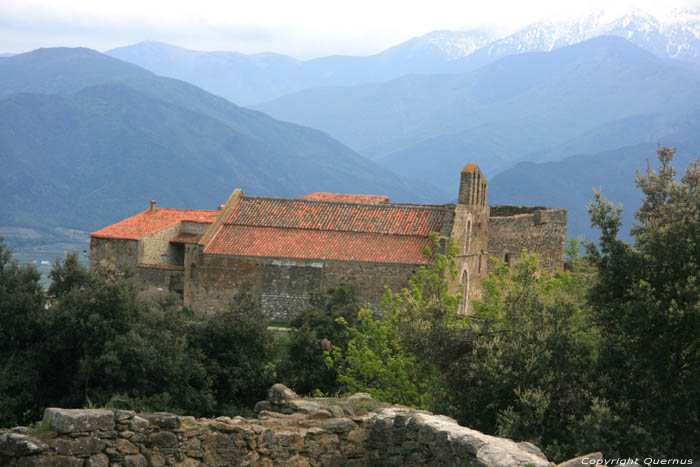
point(338, 425)
point(138, 424)
point(81, 447)
point(163, 439)
point(79, 420)
point(16, 444)
point(98, 460)
point(164, 420)
point(135, 461)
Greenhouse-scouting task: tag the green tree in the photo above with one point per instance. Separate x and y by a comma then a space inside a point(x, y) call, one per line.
point(647, 306)
point(237, 350)
point(67, 275)
point(300, 362)
point(529, 354)
point(392, 358)
point(21, 316)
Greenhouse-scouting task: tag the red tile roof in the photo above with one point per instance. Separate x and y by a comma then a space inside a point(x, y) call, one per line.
point(310, 229)
point(469, 167)
point(343, 198)
point(148, 222)
point(242, 240)
point(347, 217)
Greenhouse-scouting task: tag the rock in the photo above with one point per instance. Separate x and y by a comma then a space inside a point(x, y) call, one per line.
point(120, 415)
point(279, 394)
point(20, 429)
point(135, 461)
point(338, 425)
point(263, 406)
point(17, 444)
point(79, 420)
point(300, 405)
point(138, 424)
point(163, 439)
point(164, 420)
point(580, 460)
point(531, 448)
point(360, 396)
point(50, 461)
point(78, 447)
point(98, 460)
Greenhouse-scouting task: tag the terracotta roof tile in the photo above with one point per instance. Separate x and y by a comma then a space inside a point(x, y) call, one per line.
point(332, 216)
point(243, 240)
point(469, 167)
point(148, 222)
point(343, 198)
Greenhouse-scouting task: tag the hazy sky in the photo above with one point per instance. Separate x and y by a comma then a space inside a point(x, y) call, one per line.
point(301, 28)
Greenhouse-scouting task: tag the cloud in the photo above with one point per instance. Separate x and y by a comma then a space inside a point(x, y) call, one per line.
point(302, 28)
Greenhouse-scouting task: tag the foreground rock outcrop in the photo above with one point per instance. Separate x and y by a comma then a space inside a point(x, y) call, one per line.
point(288, 431)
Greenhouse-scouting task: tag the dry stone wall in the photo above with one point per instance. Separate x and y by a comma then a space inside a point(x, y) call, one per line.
point(288, 431)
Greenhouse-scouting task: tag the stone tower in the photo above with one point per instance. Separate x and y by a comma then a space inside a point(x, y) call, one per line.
point(470, 233)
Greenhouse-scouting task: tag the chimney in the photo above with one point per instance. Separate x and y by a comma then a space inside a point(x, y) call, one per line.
point(221, 207)
point(153, 206)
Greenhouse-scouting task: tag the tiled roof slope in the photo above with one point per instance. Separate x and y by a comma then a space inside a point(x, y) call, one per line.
point(343, 198)
point(311, 229)
point(148, 222)
point(346, 217)
point(243, 240)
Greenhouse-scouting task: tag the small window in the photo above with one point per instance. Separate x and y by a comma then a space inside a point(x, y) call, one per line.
point(506, 258)
point(467, 241)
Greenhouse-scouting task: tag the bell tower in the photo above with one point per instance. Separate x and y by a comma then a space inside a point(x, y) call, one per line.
point(473, 187)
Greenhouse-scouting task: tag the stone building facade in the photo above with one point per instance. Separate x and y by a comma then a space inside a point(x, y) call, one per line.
point(283, 250)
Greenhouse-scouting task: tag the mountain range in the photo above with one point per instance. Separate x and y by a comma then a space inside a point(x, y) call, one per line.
point(513, 109)
point(256, 78)
point(86, 140)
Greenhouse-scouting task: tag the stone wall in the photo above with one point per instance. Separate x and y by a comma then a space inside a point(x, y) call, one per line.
point(161, 278)
point(283, 286)
point(539, 230)
point(113, 252)
point(156, 249)
point(469, 232)
point(288, 431)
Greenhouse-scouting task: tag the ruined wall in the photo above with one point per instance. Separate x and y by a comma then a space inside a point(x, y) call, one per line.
point(537, 229)
point(113, 252)
point(292, 432)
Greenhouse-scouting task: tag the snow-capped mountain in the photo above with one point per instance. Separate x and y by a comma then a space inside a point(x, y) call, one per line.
point(676, 35)
point(447, 45)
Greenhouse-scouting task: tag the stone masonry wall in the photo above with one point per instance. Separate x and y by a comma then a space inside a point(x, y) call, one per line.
point(283, 286)
point(113, 252)
point(155, 248)
point(288, 431)
point(542, 231)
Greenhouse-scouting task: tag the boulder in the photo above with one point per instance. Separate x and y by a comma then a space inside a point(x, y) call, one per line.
point(578, 461)
point(279, 394)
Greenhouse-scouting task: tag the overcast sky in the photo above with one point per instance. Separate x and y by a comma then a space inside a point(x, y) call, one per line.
point(301, 28)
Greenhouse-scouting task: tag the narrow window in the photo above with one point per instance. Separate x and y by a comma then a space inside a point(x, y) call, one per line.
point(464, 307)
point(468, 239)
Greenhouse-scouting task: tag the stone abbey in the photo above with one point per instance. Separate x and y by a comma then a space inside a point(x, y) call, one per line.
point(285, 249)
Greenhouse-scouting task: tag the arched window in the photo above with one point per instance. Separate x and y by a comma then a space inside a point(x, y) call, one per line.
point(464, 280)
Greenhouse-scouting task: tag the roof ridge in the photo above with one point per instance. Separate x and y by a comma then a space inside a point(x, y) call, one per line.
point(390, 205)
point(363, 232)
